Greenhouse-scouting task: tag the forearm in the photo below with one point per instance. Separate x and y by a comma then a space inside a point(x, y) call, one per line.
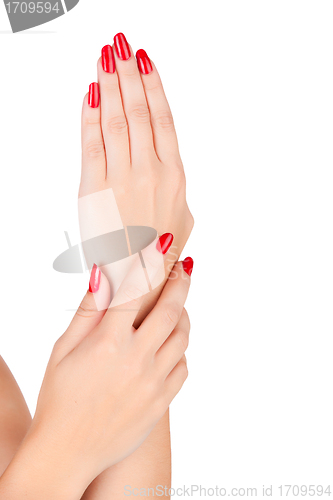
point(148, 467)
point(150, 464)
point(47, 467)
point(40, 470)
point(15, 418)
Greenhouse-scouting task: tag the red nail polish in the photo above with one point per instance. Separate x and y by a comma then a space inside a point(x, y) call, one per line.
point(95, 279)
point(144, 63)
point(93, 99)
point(188, 265)
point(122, 47)
point(108, 61)
point(164, 242)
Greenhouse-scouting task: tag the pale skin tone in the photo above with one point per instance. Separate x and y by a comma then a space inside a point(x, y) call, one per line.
point(15, 418)
point(129, 144)
point(106, 386)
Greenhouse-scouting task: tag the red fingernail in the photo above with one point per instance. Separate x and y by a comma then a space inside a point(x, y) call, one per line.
point(122, 47)
point(164, 242)
point(144, 63)
point(108, 61)
point(188, 265)
point(93, 99)
point(95, 279)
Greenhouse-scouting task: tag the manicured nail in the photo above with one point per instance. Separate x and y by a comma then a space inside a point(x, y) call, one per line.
point(122, 47)
point(93, 99)
point(144, 63)
point(95, 279)
point(188, 265)
point(164, 242)
point(108, 61)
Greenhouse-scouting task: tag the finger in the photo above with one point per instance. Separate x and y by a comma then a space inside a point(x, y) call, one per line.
point(93, 152)
point(134, 101)
point(114, 124)
point(88, 315)
point(161, 321)
point(173, 349)
point(164, 133)
point(128, 299)
point(175, 380)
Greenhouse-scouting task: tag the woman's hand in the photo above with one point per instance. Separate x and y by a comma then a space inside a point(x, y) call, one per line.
point(132, 175)
point(129, 144)
point(105, 392)
point(105, 387)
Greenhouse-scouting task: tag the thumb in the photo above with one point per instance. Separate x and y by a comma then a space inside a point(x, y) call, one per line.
point(88, 315)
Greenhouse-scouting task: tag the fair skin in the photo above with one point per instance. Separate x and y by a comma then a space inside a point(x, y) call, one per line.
point(15, 418)
point(106, 386)
point(129, 144)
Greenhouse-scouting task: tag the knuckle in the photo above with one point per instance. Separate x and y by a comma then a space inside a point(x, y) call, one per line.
point(183, 339)
point(90, 120)
point(132, 370)
point(104, 347)
point(190, 221)
point(163, 120)
point(86, 309)
point(110, 88)
point(102, 343)
point(140, 113)
point(115, 336)
point(178, 177)
point(57, 345)
point(94, 149)
point(153, 85)
point(147, 181)
point(179, 164)
point(153, 262)
point(183, 370)
point(132, 292)
point(171, 314)
point(186, 319)
point(109, 342)
point(120, 188)
point(116, 125)
point(130, 71)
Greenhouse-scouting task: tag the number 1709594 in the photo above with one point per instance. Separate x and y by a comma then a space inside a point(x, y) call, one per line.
point(32, 7)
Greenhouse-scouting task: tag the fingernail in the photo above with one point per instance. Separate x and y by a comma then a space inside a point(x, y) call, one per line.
point(188, 265)
point(95, 279)
point(164, 242)
point(122, 47)
point(108, 61)
point(144, 63)
point(93, 99)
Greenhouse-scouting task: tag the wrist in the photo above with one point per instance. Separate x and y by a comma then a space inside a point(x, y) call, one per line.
point(42, 468)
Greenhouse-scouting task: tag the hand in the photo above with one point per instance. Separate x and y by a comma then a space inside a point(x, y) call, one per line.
point(107, 384)
point(129, 144)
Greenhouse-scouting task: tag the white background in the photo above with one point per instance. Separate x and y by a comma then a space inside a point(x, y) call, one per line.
point(250, 85)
